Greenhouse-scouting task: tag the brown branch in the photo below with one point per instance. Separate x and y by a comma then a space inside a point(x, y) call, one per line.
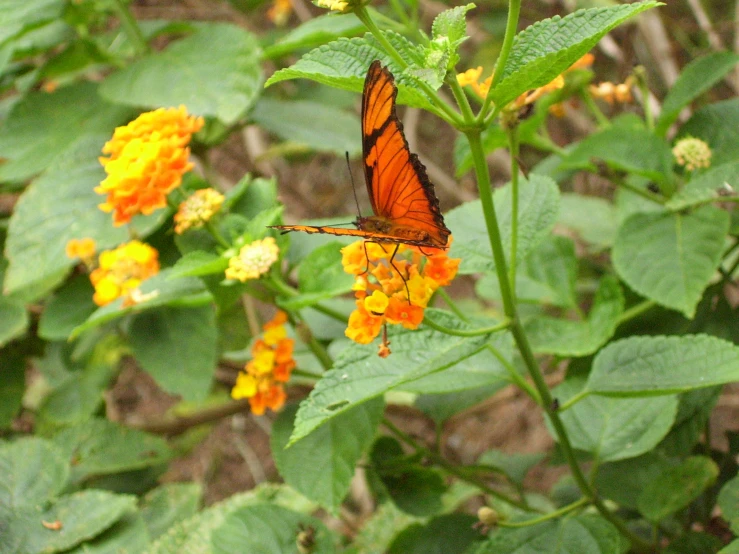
point(176, 425)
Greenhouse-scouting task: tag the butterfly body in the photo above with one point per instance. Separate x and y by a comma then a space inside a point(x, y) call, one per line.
point(402, 196)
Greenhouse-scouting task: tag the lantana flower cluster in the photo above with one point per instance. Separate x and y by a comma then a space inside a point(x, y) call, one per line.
point(197, 209)
point(146, 161)
point(253, 260)
point(392, 286)
point(262, 380)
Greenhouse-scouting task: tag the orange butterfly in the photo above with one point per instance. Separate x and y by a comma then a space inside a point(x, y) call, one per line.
point(406, 208)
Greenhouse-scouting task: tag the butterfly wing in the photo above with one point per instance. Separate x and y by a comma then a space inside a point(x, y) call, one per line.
point(399, 189)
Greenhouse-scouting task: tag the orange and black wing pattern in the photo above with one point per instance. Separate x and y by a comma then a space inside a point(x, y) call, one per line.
point(406, 208)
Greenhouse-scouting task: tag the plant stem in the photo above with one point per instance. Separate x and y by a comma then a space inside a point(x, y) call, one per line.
point(452, 305)
point(130, 27)
point(582, 502)
point(513, 146)
point(598, 114)
point(177, 425)
point(636, 311)
point(514, 9)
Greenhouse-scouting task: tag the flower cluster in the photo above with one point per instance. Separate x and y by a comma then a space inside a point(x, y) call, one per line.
point(121, 271)
point(613, 93)
point(84, 249)
point(272, 361)
point(692, 153)
point(279, 12)
point(253, 260)
point(194, 212)
point(147, 159)
point(390, 288)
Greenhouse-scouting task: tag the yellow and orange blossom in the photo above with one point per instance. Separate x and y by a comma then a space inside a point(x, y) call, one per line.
point(122, 270)
point(197, 210)
point(146, 161)
point(261, 381)
point(84, 249)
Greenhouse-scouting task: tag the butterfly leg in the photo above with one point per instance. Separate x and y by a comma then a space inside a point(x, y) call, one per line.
point(405, 281)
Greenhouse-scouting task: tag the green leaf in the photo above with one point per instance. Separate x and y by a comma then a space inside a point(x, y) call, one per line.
point(515, 466)
point(169, 504)
point(538, 204)
point(694, 542)
point(84, 515)
point(315, 32)
point(270, 530)
point(101, 447)
point(569, 535)
point(451, 24)
point(615, 428)
point(12, 385)
point(674, 489)
point(728, 501)
point(41, 126)
point(178, 347)
point(441, 535)
point(623, 481)
point(731, 548)
point(321, 465)
point(379, 529)
point(563, 337)
point(643, 366)
point(693, 413)
point(671, 257)
point(696, 78)
point(313, 125)
point(69, 307)
point(442, 406)
point(359, 375)
point(214, 72)
point(198, 263)
point(718, 125)
point(343, 64)
point(59, 206)
point(126, 536)
point(449, 30)
point(548, 47)
point(591, 217)
point(14, 321)
point(159, 291)
point(195, 532)
point(713, 184)
point(32, 471)
point(18, 16)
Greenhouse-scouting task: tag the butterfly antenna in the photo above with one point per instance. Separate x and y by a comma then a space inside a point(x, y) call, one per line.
point(354, 188)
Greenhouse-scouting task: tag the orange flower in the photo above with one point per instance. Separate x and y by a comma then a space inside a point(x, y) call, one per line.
point(147, 160)
point(272, 362)
point(84, 249)
point(279, 12)
point(121, 271)
point(197, 210)
point(396, 293)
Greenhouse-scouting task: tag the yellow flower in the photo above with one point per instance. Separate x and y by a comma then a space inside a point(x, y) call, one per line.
point(84, 249)
point(253, 260)
point(147, 159)
point(194, 212)
point(471, 78)
point(342, 6)
point(121, 271)
point(376, 303)
point(279, 12)
point(692, 153)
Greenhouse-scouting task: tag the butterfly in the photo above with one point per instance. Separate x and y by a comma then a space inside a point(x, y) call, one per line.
point(402, 197)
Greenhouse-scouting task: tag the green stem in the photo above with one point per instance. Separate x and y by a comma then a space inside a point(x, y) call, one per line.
point(635, 311)
point(572, 401)
point(130, 27)
point(514, 9)
point(466, 332)
point(636, 190)
point(515, 376)
point(313, 345)
point(546, 517)
point(513, 146)
point(452, 305)
point(216, 234)
point(461, 98)
point(598, 114)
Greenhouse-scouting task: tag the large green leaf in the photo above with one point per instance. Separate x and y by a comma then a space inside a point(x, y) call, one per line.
point(315, 32)
point(58, 206)
point(32, 471)
point(693, 413)
point(624, 480)
point(69, 307)
point(15, 319)
point(360, 375)
point(169, 504)
point(591, 217)
point(644, 366)
point(312, 125)
point(214, 72)
point(565, 337)
point(718, 125)
point(41, 126)
point(615, 428)
point(696, 78)
point(677, 487)
point(548, 47)
point(570, 535)
point(178, 347)
point(440, 535)
point(321, 465)
point(128, 535)
point(538, 204)
point(671, 257)
point(17, 16)
point(12, 385)
point(712, 184)
point(728, 501)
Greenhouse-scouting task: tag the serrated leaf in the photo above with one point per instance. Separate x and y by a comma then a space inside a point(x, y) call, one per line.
point(128, 535)
point(198, 263)
point(270, 530)
point(100, 447)
point(178, 347)
point(676, 487)
point(321, 465)
point(69, 307)
point(538, 204)
point(716, 184)
point(718, 125)
point(32, 471)
point(615, 428)
point(569, 535)
point(313, 125)
point(591, 217)
point(693, 412)
point(58, 206)
point(360, 375)
point(731, 548)
point(548, 47)
point(168, 504)
point(42, 125)
point(440, 535)
point(213, 72)
point(563, 337)
point(695, 78)
point(623, 481)
point(343, 64)
point(671, 257)
point(451, 24)
point(314, 32)
point(643, 366)
point(728, 501)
